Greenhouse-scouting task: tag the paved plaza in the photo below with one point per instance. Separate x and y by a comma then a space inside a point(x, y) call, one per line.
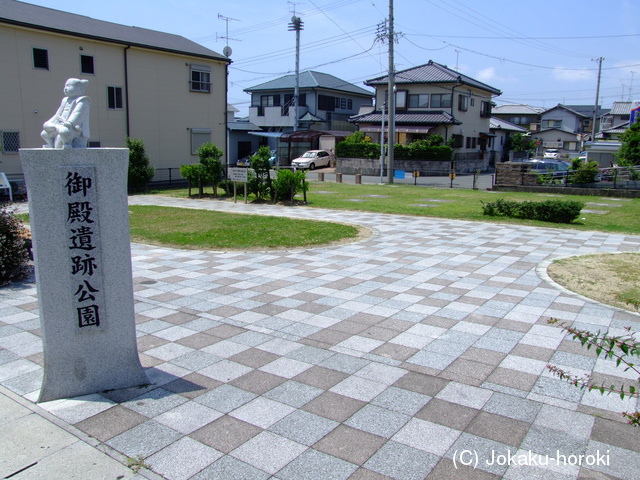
point(419, 352)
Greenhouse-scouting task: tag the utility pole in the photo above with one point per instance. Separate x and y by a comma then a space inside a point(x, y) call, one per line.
point(296, 25)
point(392, 98)
point(595, 108)
point(382, 143)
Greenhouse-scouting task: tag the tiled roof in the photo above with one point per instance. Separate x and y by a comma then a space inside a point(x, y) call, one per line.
point(621, 108)
point(311, 79)
point(516, 110)
point(424, 118)
point(499, 124)
point(41, 18)
point(433, 72)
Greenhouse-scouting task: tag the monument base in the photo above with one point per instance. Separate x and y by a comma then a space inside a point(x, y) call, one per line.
point(80, 229)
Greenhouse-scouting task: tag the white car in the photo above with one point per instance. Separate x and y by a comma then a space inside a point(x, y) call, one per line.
point(551, 153)
point(312, 159)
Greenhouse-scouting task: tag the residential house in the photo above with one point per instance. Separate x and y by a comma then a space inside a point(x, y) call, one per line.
point(434, 99)
point(502, 130)
point(566, 128)
point(158, 87)
point(524, 116)
point(615, 122)
point(241, 141)
point(325, 103)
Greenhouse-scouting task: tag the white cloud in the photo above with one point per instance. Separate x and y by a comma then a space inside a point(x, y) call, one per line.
point(486, 75)
point(572, 75)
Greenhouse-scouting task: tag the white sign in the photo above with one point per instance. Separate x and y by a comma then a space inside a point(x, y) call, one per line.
point(238, 174)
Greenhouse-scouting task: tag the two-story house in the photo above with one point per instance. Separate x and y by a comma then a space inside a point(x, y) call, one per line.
point(325, 103)
point(566, 128)
point(615, 122)
point(434, 99)
point(158, 87)
point(525, 116)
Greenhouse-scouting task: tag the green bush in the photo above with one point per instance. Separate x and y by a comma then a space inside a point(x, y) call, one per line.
point(212, 170)
point(140, 171)
point(260, 182)
point(418, 150)
point(358, 150)
point(14, 252)
point(192, 174)
point(555, 211)
point(288, 183)
point(585, 173)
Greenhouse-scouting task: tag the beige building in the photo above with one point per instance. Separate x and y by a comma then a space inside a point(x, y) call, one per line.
point(161, 88)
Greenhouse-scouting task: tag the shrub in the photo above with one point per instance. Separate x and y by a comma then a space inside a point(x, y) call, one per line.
point(14, 252)
point(555, 211)
point(288, 183)
point(212, 170)
point(586, 172)
point(191, 173)
point(260, 183)
point(358, 150)
point(140, 170)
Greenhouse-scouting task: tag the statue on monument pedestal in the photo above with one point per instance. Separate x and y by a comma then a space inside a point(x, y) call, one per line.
point(69, 127)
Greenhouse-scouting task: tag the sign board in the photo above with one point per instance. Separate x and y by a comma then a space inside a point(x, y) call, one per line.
point(399, 174)
point(635, 112)
point(239, 174)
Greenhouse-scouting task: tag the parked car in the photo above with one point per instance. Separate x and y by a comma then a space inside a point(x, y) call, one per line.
point(312, 159)
point(245, 161)
point(551, 153)
point(545, 165)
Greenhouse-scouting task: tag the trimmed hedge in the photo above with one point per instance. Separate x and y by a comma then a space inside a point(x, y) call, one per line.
point(414, 151)
point(556, 211)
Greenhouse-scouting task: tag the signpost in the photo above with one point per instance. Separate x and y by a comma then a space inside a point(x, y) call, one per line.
point(239, 175)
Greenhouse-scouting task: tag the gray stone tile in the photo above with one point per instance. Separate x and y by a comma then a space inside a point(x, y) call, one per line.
point(402, 462)
point(401, 400)
point(155, 402)
point(486, 451)
point(229, 468)
point(144, 440)
point(313, 465)
point(304, 427)
point(262, 412)
point(182, 459)
point(377, 420)
point(225, 398)
point(269, 452)
point(512, 407)
point(294, 393)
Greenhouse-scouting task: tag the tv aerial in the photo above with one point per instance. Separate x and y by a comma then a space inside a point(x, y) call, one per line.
point(226, 51)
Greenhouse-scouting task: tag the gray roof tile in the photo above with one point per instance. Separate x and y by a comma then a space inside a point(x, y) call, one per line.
point(41, 18)
point(310, 79)
point(432, 72)
point(422, 118)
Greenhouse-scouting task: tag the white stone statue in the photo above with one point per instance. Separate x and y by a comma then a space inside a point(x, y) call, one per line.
point(69, 127)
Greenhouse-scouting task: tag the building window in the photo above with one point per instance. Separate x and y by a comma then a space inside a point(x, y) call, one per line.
point(463, 103)
point(485, 109)
point(458, 140)
point(41, 58)
point(199, 136)
point(440, 100)
point(327, 103)
point(200, 78)
point(343, 103)
point(401, 99)
point(86, 64)
point(114, 98)
point(552, 124)
point(419, 101)
point(10, 142)
point(270, 101)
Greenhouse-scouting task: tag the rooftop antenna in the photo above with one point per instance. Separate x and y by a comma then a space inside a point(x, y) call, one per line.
point(227, 49)
point(457, 54)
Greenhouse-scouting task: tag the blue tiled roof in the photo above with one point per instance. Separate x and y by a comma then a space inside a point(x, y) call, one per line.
point(310, 79)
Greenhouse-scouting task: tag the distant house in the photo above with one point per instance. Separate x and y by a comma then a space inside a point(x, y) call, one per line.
point(325, 103)
point(524, 116)
point(161, 88)
point(434, 99)
point(615, 122)
point(502, 130)
point(566, 128)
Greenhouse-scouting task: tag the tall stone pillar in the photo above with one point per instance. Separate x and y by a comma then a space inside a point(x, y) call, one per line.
point(80, 228)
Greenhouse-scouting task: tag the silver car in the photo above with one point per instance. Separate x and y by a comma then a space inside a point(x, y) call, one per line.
point(313, 159)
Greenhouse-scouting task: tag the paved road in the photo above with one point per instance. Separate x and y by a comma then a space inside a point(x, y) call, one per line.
point(402, 356)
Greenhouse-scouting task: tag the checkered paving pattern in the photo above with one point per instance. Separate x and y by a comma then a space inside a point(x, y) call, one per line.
point(402, 356)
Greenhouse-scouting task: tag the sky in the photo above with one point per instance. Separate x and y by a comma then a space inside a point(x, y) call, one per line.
point(539, 53)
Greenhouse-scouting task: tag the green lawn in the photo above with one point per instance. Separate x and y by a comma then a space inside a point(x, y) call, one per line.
point(622, 215)
point(204, 229)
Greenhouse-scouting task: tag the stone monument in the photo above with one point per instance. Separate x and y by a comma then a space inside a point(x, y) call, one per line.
point(80, 228)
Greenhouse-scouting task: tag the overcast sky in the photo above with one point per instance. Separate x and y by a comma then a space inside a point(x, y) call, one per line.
point(540, 53)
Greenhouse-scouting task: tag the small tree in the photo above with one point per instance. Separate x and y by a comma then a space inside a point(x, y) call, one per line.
point(288, 183)
point(191, 173)
point(14, 252)
point(260, 185)
point(519, 142)
point(629, 153)
point(212, 169)
point(140, 170)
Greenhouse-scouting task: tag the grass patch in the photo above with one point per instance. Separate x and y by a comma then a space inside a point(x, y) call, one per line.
point(459, 204)
point(204, 229)
point(613, 279)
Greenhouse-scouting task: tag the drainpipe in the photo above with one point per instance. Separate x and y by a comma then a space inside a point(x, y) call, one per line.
point(126, 89)
point(458, 84)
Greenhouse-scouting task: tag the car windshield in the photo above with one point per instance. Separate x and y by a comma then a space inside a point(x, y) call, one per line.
point(309, 155)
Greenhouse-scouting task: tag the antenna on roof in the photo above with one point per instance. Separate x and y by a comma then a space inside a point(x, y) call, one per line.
point(227, 49)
